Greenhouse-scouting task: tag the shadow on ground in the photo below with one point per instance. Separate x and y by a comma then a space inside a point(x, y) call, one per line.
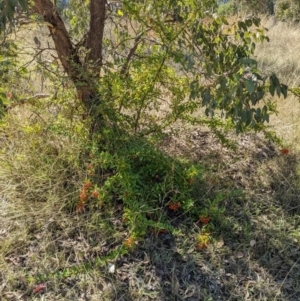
point(254, 253)
point(256, 249)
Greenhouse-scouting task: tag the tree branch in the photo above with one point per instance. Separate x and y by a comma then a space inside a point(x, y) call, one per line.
point(27, 100)
point(131, 53)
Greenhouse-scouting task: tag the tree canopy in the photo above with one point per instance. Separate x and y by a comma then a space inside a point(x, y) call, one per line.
point(177, 48)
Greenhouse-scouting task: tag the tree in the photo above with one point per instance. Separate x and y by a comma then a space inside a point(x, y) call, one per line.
point(210, 58)
point(140, 66)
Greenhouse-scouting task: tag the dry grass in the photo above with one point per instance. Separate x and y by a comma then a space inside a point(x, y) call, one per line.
point(253, 254)
point(252, 196)
point(281, 55)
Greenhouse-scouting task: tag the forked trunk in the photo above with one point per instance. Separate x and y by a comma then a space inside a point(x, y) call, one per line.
point(83, 75)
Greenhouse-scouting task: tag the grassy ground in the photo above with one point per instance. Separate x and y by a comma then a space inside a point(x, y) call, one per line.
point(280, 56)
point(250, 247)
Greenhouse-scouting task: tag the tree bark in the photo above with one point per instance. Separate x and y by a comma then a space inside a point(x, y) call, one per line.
point(95, 34)
point(60, 36)
point(82, 75)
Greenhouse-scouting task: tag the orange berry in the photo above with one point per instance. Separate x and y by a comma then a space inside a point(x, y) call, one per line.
point(9, 95)
point(204, 219)
point(191, 181)
point(87, 184)
point(174, 206)
point(80, 207)
point(95, 194)
point(285, 151)
point(201, 246)
point(129, 242)
point(83, 195)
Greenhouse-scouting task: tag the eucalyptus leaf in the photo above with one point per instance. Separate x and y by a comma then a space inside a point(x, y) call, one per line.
point(272, 89)
point(250, 86)
point(284, 89)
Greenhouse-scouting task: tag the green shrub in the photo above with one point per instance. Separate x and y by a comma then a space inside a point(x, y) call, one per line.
point(247, 7)
point(288, 10)
point(144, 181)
point(227, 9)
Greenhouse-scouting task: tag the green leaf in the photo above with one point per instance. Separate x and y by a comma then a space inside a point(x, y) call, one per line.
point(206, 96)
point(254, 98)
point(272, 89)
point(242, 25)
point(13, 3)
point(284, 89)
point(190, 63)
point(266, 118)
point(256, 21)
point(260, 93)
point(248, 62)
point(257, 115)
point(208, 70)
point(194, 89)
point(238, 128)
point(258, 76)
point(244, 116)
point(278, 90)
point(248, 22)
point(250, 86)
point(9, 13)
point(23, 4)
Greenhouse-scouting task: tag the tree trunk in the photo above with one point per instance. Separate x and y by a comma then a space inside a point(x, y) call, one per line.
point(95, 34)
point(83, 75)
